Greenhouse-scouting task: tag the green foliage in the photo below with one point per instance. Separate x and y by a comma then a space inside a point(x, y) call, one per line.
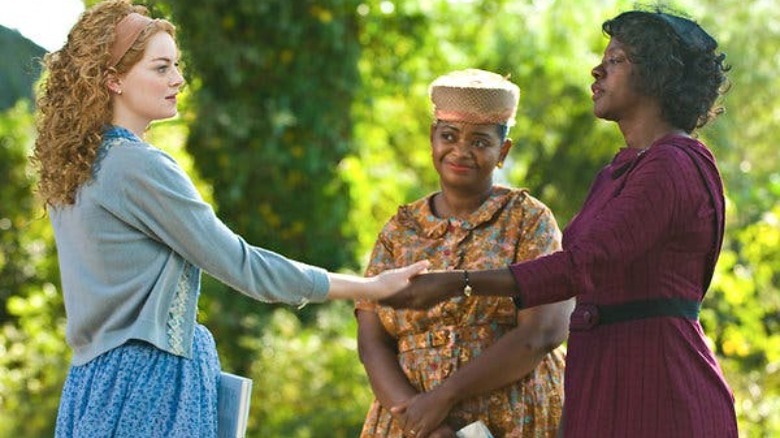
point(273, 118)
point(34, 358)
point(33, 355)
point(743, 317)
point(405, 50)
point(743, 307)
point(16, 205)
point(306, 124)
point(308, 382)
point(275, 82)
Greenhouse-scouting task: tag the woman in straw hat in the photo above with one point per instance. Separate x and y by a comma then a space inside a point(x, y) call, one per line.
point(469, 358)
point(133, 234)
point(640, 254)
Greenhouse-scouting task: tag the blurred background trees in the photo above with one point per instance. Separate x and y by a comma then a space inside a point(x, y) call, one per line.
point(305, 123)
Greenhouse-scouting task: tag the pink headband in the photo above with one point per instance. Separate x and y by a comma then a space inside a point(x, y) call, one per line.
point(127, 31)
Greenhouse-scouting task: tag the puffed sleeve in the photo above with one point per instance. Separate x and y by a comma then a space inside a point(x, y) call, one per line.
point(540, 233)
point(381, 260)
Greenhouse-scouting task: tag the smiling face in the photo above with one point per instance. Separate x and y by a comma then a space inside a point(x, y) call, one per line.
point(614, 95)
point(148, 90)
point(465, 154)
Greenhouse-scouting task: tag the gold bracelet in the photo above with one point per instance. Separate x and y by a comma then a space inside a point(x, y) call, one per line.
point(466, 285)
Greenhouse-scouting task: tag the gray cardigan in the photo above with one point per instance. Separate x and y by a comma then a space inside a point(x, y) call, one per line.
point(132, 247)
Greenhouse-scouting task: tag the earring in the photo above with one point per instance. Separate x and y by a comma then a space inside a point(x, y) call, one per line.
point(500, 164)
point(118, 91)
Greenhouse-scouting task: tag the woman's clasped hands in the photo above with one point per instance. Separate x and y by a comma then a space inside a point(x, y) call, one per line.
point(423, 415)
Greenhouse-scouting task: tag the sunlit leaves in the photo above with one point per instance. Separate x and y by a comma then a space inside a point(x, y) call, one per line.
point(306, 125)
point(33, 355)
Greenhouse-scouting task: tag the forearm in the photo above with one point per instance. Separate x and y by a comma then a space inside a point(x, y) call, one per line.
point(377, 350)
point(344, 286)
point(387, 379)
point(491, 282)
point(487, 282)
point(508, 360)
point(514, 355)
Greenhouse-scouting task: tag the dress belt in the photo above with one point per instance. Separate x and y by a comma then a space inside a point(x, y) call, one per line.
point(588, 316)
point(449, 336)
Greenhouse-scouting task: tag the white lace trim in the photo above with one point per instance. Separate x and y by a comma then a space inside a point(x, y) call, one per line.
point(177, 311)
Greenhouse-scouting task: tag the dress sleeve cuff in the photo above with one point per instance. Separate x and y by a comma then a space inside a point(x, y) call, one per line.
point(321, 285)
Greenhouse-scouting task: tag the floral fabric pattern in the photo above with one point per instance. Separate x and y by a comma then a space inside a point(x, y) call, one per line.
point(138, 390)
point(510, 226)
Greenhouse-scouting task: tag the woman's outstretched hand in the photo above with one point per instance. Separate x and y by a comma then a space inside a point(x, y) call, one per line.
point(425, 290)
point(351, 287)
point(391, 281)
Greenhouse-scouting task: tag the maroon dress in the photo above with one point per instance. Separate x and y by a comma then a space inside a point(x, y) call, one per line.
point(650, 229)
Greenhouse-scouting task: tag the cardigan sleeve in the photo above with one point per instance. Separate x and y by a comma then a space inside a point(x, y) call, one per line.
point(633, 221)
point(146, 188)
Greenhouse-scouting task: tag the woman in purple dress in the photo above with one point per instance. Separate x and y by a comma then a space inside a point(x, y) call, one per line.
point(640, 254)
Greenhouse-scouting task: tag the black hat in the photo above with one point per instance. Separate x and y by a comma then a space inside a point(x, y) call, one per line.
point(690, 33)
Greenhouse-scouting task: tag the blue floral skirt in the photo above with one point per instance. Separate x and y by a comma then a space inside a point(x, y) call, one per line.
point(138, 390)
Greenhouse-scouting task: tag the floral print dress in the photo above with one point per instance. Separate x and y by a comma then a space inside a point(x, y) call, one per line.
point(509, 226)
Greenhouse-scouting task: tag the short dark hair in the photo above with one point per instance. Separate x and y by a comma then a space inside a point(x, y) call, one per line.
point(677, 63)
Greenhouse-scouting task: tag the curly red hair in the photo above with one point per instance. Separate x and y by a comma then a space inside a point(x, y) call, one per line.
point(73, 101)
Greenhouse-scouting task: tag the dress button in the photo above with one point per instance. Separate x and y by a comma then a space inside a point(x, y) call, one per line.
point(584, 317)
point(587, 316)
